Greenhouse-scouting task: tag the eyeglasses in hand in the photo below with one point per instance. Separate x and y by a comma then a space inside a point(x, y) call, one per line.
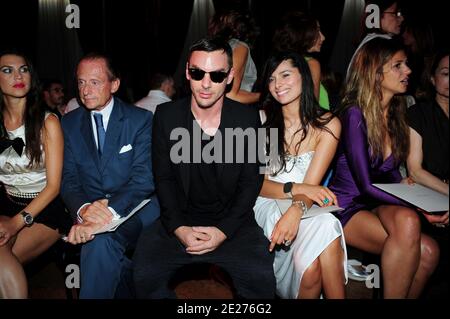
point(398, 14)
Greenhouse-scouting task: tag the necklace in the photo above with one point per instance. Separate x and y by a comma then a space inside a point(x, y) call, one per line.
point(287, 159)
point(290, 156)
point(292, 133)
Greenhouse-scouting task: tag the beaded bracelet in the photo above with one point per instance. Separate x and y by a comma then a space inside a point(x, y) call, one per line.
point(302, 205)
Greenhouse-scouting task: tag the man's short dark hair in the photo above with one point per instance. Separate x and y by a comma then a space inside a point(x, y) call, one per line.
point(158, 79)
point(47, 83)
point(113, 73)
point(211, 45)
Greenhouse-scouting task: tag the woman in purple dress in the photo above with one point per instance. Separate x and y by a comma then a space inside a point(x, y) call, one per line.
point(374, 141)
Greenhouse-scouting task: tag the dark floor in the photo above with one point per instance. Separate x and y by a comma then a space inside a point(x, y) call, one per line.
point(47, 281)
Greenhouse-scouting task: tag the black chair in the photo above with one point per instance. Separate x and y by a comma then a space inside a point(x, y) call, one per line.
point(65, 254)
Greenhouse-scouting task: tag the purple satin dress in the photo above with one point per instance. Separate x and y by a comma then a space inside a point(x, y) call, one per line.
point(355, 170)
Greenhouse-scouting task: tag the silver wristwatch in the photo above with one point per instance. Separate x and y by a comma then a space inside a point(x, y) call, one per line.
point(27, 218)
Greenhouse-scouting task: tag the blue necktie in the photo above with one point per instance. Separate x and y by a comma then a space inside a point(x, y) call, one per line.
point(100, 132)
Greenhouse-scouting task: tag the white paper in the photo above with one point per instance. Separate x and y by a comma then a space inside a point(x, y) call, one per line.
point(112, 226)
point(420, 196)
point(284, 204)
point(116, 223)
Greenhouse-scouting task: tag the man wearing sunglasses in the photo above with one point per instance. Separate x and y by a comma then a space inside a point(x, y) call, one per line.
point(206, 207)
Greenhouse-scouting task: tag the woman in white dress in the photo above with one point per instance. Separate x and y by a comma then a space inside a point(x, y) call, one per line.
point(310, 253)
point(32, 216)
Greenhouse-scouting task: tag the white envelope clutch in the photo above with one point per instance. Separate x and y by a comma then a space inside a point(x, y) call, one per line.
point(125, 148)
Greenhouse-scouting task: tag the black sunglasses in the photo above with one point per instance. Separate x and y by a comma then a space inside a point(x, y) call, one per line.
point(215, 76)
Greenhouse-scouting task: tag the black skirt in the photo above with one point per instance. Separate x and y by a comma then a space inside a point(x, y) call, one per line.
point(54, 215)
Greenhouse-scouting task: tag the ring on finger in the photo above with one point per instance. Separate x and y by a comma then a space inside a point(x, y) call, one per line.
point(326, 200)
point(287, 243)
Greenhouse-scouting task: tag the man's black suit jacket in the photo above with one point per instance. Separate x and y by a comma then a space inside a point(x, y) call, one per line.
point(239, 183)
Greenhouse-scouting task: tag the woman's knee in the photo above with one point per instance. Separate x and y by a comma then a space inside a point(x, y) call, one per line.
point(7, 258)
point(12, 276)
point(407, 226)
point(312, 275)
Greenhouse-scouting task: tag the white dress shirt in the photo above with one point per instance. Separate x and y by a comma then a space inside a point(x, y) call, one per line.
point(71, 105)
point(152, 100)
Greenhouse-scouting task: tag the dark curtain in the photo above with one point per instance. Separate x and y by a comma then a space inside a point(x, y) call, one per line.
point(58, 48)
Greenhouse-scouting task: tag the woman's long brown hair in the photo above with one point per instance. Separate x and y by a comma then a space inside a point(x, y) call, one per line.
point(363, 89)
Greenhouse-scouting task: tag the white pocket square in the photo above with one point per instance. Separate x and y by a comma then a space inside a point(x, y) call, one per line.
point(125, 148)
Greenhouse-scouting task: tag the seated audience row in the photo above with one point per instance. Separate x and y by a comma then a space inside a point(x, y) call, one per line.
point(210, 211)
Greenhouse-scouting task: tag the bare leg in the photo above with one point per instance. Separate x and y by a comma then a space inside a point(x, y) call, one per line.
point(311, 284)
point(29, 243)
point(429, 259)
point(402, 251)
point(408, 257)
point(33, 241)
point(13, 283)
point(365, 231)
point(331, 262)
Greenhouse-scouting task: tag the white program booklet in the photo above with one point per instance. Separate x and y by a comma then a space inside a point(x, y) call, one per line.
point(420, 196)
point(284, 204)
point(112, 226)
point(116, 223)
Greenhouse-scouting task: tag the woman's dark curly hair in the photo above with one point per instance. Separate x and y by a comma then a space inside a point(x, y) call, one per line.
point(33, 117)
point(233, 24)
point(297, 32)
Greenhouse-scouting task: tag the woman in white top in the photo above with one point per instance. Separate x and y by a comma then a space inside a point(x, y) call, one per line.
point(238, 29)
point(310, 252)
point(31, 158)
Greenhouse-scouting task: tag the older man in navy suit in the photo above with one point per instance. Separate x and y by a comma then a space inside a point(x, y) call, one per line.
point(107, 172)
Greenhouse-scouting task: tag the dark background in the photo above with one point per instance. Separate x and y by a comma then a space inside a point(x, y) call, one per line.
point(148, 36)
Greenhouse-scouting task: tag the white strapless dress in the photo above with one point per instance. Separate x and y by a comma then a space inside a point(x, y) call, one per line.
point(314, 235)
